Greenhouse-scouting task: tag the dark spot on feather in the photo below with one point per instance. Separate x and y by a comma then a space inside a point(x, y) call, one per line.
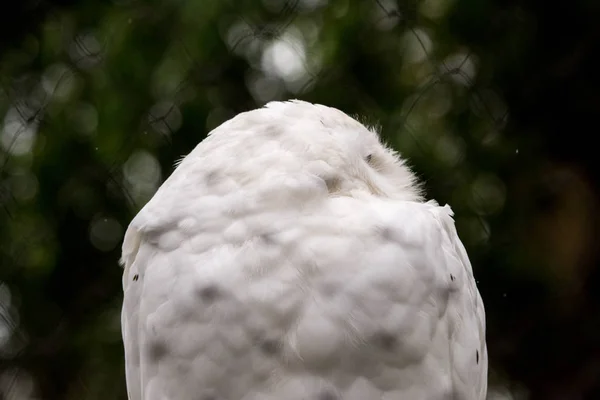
point(267, 238)
point(385, 340)
point(211, 178)
point(386, 233)
point(333, 184)
point(157, 350)
point(328, 289)
point(369, 158)
point(327, 395)
point(136, 277)
point(273, 130)
point(477, 356)
point(451, 277)
point(269, 346)
point(209, 293)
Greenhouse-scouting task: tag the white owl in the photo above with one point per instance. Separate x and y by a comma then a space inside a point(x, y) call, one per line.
point(290, 256)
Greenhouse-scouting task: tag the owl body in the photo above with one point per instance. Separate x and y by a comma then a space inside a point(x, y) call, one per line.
point(306, 266)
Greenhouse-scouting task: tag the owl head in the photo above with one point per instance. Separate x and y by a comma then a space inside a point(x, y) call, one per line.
point(294, 137)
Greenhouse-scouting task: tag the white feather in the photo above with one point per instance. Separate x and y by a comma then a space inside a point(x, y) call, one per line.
point(277, 263)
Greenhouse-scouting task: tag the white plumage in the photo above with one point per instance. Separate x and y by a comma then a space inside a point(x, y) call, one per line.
point(290, 256)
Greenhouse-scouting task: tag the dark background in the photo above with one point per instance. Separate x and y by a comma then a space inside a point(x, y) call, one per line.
point(495, 104)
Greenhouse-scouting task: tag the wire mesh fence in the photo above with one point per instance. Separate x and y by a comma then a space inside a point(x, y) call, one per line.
point(102, 99)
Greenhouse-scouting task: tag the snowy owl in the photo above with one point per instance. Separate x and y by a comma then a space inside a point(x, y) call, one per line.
point(291, 256)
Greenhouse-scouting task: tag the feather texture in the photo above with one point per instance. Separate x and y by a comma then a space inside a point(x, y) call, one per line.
point(290, 256)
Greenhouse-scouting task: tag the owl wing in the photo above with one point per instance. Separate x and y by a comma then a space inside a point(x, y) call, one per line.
point(343, 299)
point(466, 314)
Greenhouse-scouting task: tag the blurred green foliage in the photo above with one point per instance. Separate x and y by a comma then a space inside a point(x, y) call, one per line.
point(493, 102)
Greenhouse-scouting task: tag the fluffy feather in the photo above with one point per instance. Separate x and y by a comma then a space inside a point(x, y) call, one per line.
point(291, 256)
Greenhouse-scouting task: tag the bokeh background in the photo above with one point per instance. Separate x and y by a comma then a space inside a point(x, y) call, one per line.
point(494, 102)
